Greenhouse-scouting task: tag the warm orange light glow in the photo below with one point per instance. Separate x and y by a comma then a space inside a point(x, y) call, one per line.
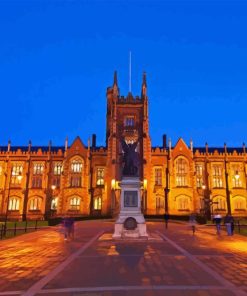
point(203, 186)
point(113, 184)
point(145, 184)
point(53, 187)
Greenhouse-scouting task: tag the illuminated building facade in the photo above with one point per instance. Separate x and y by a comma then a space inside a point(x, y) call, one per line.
point(84, 179)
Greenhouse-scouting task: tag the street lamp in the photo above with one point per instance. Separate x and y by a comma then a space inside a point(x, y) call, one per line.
point(49, 203)
point(144, 200)
point(207, 202)
point(19, 177)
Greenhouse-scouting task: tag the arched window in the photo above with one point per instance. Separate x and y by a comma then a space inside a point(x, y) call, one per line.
point(183, 203)
point(75, 204)
point(16, 172)
point(35, 204)
point(239, 203)
point(219, 203)
point(217, 171)
point(14, 204)
point(76, 167)
point(181, 172)
point(97, 203)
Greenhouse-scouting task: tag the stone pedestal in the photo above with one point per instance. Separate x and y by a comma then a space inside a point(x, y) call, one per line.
point(130, 222)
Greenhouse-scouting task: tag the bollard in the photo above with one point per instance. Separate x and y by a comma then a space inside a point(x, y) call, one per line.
point(15, 229)
point(36, 223)
point(238, 227)
point(26, 226)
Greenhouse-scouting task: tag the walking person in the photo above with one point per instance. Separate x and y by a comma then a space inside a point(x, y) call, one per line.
point(66, 226)
point(71, 228)
point(192, 222)
point(217, 220)
point(228, 222)
point(166, 217)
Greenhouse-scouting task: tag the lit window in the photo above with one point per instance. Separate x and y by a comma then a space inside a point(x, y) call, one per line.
point(240, 204)
point(76, 173)
point(14, 204)
point(97, 203)
point(38, 169)
point(158, 176)
point(57, 169)
point(199, 175)
point(181, 172)
point(16, 173)
point(217, 176)
point(236, 176)
point(75, 204)
point(76, 166)
point(35, 204)
point(100, 176)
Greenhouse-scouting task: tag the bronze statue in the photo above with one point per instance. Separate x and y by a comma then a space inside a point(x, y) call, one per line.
point(130, 159)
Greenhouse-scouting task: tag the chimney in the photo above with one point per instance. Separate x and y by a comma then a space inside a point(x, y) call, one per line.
point(94, 141)
point(164, 141)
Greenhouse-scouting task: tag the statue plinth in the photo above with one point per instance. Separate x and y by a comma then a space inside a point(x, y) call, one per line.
point(130, 222)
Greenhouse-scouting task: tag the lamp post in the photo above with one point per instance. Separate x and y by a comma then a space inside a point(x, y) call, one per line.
point(207, 202)
point(19, 177)
point(48, 209)
point(228, 200)
point(144, 201)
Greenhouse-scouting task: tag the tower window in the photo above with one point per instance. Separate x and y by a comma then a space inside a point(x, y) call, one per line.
point(129, 121)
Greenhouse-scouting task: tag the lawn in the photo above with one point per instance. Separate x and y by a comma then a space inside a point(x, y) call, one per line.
point(21, 227)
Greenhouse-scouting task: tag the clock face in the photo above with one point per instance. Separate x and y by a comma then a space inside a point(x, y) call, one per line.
point(130, 198)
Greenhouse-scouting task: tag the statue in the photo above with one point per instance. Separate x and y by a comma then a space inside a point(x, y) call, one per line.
point(130, 159)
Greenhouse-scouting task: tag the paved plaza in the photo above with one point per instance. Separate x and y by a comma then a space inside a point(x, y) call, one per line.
point(172, 262)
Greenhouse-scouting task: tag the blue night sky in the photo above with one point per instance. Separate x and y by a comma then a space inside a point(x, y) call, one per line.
point(58, 57)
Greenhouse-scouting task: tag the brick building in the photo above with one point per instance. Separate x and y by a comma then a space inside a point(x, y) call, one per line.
point(83, 179)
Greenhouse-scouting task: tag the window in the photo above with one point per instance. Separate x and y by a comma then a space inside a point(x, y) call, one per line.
point(38, 169)
point(181, 172)
point(219, 203)
point(199, 175)
point(100, 177)
point(97, 203)
point(35, 204)
point(75, 181)
point(217, 176)
point(129, 121)
point(37, 182)
point(14, 204)
point(54, 203)
point(75, 173)
point(57, 169)
point(56, 181)
point(158, 176)
point(240, 204)
point(236, 176)
point(75, 204)
point(16, 172)
point(160, 202)
point(76, 166)
point(183, 203)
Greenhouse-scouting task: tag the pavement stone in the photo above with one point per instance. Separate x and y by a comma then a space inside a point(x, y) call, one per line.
point(119, 267)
